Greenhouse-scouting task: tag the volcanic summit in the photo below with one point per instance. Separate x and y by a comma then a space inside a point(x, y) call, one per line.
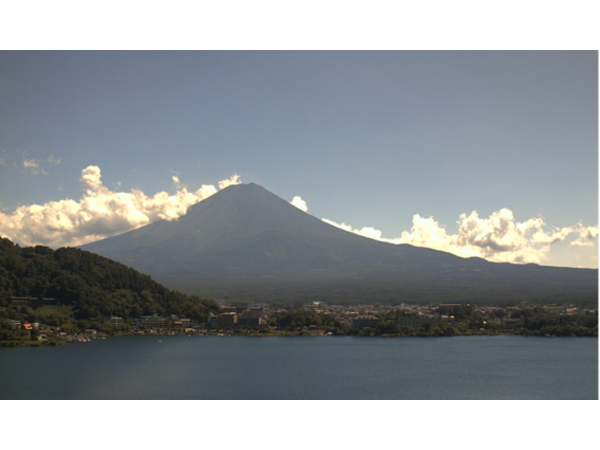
point(246, 243)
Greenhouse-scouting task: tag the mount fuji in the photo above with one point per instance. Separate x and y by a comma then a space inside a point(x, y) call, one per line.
point(245, 243)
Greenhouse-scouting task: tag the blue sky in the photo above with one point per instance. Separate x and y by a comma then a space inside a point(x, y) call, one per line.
point(393, 145)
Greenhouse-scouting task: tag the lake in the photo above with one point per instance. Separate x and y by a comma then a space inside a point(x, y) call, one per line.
point(213, 367)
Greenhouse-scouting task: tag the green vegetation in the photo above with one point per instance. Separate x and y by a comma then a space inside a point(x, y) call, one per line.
point(356, 291)
point(538, 322)
point(88, 289)
point(304, 320)
point(467, 320)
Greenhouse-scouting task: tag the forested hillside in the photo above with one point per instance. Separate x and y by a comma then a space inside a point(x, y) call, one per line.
point(93, 286)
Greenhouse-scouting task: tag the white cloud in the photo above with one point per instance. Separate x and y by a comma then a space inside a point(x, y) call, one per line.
point(102, 212)
point(235, 179)
point(99, 213)
point(368, 232)
point(587, 236)
point(91, 179)
point(3, 163)
point(498, 238)
point(52, 160)
point(34, 166)
point(299, 203)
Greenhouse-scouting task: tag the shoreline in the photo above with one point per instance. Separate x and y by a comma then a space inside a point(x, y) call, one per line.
point(272, 333)
point(17, 343)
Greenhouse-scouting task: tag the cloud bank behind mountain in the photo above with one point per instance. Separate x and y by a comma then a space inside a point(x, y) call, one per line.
point(498, 238)
point(102, 212)
point(99, 213)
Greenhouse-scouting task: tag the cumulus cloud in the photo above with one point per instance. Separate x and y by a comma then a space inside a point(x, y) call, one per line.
point(235, 179)
point(587, 236)
point(99, 213)
point(299, 203)
point(369, 232)
point(498, 238)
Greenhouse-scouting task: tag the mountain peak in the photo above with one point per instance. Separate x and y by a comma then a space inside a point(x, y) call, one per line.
point(242, 191)
point(244, 187)
point(246, 239)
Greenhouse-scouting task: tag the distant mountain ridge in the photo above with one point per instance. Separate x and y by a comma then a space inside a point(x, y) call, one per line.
point(246, 243)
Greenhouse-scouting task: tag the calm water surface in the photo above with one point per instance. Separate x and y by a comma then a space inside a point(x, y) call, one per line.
point(211, 367)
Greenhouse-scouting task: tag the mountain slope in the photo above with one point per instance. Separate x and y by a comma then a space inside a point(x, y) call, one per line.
point(245, 242)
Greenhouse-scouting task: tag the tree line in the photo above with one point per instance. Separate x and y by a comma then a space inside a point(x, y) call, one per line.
point(90, 286)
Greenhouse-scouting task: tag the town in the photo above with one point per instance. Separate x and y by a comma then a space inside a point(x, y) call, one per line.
point(38, 321)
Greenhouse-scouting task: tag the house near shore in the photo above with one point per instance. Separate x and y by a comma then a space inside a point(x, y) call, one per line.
point(116, 321)
point(252, 318)
point(510, 322)
point(227, 319)
point(365, 321)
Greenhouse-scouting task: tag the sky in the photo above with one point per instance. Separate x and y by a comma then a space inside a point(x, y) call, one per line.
point(486, 153)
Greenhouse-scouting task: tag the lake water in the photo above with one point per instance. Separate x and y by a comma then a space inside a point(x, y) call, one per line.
point(212, 367)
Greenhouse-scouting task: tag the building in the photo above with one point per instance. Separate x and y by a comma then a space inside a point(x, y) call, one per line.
point(252, 318)
point(116, 321)
point(213, 321)
point(365, 321)
point(227, 320)
point(511, 323)
point(152, 322)
point(180, 323)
